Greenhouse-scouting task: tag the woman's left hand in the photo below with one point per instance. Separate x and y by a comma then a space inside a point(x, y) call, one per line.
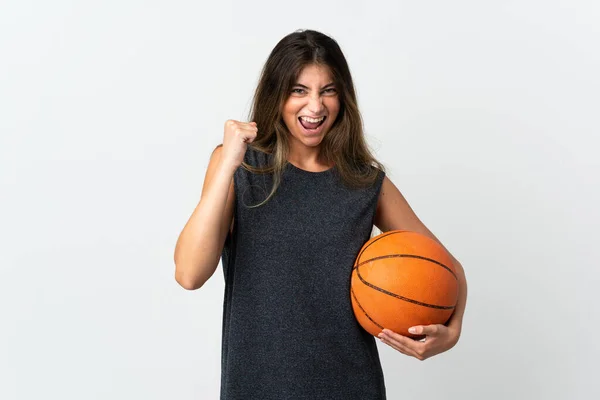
point(438, 338)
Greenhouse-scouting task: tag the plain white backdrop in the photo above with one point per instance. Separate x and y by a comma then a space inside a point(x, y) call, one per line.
point(486, 115)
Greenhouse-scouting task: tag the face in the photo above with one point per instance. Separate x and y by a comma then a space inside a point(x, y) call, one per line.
point(312, 106)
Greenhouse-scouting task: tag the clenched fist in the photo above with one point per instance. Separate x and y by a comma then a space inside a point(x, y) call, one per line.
point(236, 137)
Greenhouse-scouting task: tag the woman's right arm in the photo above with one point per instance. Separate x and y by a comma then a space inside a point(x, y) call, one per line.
point(200, 243)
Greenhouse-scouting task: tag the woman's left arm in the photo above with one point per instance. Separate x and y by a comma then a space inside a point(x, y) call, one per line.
point(394, 213)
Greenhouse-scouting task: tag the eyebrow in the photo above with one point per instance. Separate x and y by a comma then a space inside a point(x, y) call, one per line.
point(306, 87)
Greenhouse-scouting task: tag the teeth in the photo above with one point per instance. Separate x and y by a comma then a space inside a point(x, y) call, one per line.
point(313, 120)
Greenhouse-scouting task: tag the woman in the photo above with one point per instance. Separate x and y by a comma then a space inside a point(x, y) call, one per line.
point(288, 201)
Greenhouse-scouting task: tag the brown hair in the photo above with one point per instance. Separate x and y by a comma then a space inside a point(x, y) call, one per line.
point(344, 144)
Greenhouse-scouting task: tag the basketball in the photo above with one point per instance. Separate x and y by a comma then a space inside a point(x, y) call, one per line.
point(402, 279)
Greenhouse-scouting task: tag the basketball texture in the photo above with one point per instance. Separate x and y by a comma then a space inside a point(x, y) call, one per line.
point(402, 279)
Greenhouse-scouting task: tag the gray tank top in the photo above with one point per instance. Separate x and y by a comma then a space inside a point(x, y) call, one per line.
point(289, 331)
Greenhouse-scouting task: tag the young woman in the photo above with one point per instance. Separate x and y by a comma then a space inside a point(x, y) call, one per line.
point(288, 201)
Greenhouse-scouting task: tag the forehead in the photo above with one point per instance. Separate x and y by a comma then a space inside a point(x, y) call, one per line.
point(315, 74)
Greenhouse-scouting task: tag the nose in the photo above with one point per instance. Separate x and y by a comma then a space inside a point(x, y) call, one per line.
point(315, 103)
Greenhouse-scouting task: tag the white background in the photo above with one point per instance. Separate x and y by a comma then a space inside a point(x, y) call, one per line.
point(484, 112)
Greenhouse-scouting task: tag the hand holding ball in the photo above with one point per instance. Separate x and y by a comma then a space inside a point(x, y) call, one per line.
point(402, 279)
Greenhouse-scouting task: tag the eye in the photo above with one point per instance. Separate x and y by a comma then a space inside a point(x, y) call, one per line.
point(330, 91)
point(298, 91)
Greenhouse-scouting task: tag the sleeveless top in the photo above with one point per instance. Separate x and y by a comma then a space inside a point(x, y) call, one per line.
point(289, 331)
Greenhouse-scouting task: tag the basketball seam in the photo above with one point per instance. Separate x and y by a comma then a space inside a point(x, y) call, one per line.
point(379, 237)
point(435, 306)
point(408, 256)
point(363, 310)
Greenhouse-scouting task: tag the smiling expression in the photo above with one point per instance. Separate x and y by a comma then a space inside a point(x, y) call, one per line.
point(312, 106)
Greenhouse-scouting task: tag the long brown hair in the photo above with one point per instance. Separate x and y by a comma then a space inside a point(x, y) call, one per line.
point(344, 144)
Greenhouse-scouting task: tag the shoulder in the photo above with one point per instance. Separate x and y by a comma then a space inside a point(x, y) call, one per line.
point(214, 164)
point(393, 211)
point(372, 173)
point(217, 150)
point(215, 157)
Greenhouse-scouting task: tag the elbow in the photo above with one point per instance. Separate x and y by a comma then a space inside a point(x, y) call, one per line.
point(186, 281)
point(192, 275)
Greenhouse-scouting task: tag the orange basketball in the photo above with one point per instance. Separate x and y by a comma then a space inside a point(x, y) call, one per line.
point(402, 279)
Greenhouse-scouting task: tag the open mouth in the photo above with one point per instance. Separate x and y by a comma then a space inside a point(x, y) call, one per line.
point(312, 125)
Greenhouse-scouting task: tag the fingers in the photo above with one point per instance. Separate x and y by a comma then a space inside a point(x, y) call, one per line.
point(235, 139)
point(421, 350)
point(429, 330)
point(403, 344)
point(397, 345)
point(242, 131)
point(231, 123)
point(248, 131)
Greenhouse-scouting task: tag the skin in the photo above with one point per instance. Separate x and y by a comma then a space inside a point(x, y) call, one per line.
point(394, 213)
point(315, 97)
